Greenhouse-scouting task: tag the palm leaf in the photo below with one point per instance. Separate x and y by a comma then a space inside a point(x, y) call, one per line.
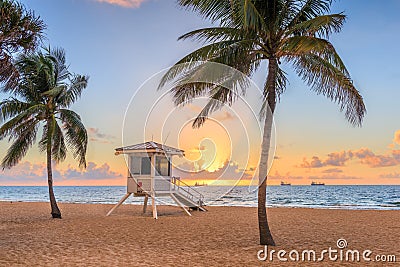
point(20, 146)
point(75, 135)
point(321, 26)
point(326, 79)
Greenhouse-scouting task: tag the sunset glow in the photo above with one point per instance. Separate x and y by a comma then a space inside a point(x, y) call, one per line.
point(314, 142)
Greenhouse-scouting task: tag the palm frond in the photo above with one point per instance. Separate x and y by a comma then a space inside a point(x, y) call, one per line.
point(205, 53)
point(326, 79)
point(213, 34)
point(304, 45)
point(321, 26)
point(233, 53)
point(30, 113)
point(55, 91)
point(75, 135)
point(309, 9)
point(73, 91)
point(57, 55)
point(12, 107)
point(20, 146)
point(247, 16)
point(21, 31)
point(58, 150)
point(218, 97)
point(214, 10)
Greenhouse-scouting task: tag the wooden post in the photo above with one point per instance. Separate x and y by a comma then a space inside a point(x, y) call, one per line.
point(153, 203)
point(119, 203)
point(146, 198)
point(152, 185)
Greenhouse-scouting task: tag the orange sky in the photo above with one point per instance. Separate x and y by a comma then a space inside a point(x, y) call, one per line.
point(313, 139)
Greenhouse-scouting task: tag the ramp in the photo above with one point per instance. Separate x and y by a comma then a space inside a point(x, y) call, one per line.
point(186, 196)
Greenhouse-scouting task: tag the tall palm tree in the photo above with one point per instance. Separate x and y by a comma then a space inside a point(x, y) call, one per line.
point(20, 30)
point(250, 32)
point(45, 91)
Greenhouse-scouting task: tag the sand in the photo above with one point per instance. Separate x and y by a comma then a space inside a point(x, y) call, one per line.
point(223, 236)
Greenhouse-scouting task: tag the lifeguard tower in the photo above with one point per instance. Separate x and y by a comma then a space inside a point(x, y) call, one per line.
point(150, 175)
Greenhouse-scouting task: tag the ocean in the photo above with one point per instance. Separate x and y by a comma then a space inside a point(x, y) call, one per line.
point(380, 197)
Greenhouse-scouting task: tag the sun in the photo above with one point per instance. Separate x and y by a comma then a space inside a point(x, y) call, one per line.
point(207, 147)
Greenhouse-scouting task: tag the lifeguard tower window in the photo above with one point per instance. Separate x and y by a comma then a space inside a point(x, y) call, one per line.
point(162, 166)
point(140, 166)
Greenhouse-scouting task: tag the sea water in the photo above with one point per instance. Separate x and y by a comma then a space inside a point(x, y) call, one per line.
point(380, 197)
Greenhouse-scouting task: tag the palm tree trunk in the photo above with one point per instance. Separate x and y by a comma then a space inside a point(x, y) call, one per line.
point(55, 211)
point(265, 233)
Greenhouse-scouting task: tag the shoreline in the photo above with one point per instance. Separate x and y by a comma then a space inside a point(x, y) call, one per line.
point(344, 207)
point(222, 236)
point(124, 185)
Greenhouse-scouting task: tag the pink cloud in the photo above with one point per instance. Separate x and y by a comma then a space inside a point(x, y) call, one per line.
point(393, 175)
point(96, 136)
point(396, 138)
point(333, 170)
point(369, 158)
point(37, 172)
point(333, 159)
point(92, 172)
point(230, 171)
point(365, 155)
point(124, 3)
point(288, 176)
point(334, 176)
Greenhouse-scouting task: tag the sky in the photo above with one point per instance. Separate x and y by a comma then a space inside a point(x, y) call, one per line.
point(123, 44)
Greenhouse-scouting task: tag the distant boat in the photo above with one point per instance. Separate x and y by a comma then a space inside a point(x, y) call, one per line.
point(317, 183)
point(283, 183)
point(198, 184)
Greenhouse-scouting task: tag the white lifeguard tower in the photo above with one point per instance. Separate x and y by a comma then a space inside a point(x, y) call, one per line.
point(149, 175)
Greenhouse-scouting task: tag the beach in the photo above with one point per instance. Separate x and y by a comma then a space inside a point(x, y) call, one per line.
point(223, 236)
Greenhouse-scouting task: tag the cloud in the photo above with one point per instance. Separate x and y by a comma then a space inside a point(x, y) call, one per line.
point(333, 159)
point(96, 136)
point(333, 170)
point(28, 172)
point(280, 177)
point(37, 172)
point(337, 158)
point(394, 175)
point(92, 172)
point(369, 158)
point(123, 3)
point(334, 176)
point(396, 138)
point(230, 171)
point(314, 163)
point(365, 156)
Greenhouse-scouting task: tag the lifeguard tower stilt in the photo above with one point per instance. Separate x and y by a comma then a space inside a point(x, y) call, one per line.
point(149, 176)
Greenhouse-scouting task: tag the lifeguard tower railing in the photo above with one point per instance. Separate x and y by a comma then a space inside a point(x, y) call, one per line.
point(189, 192)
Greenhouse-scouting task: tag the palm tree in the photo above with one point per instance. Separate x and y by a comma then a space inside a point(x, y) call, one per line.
point(46, 89)
point(250, 32)
point(20, 30)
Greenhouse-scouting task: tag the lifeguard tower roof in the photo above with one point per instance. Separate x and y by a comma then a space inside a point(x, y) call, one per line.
point(149, 147)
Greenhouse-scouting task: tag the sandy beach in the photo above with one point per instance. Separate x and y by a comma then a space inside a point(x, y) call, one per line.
point(223, 236)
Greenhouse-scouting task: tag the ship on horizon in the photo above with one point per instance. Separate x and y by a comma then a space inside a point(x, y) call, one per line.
point(199, 184)
point(317, 183)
